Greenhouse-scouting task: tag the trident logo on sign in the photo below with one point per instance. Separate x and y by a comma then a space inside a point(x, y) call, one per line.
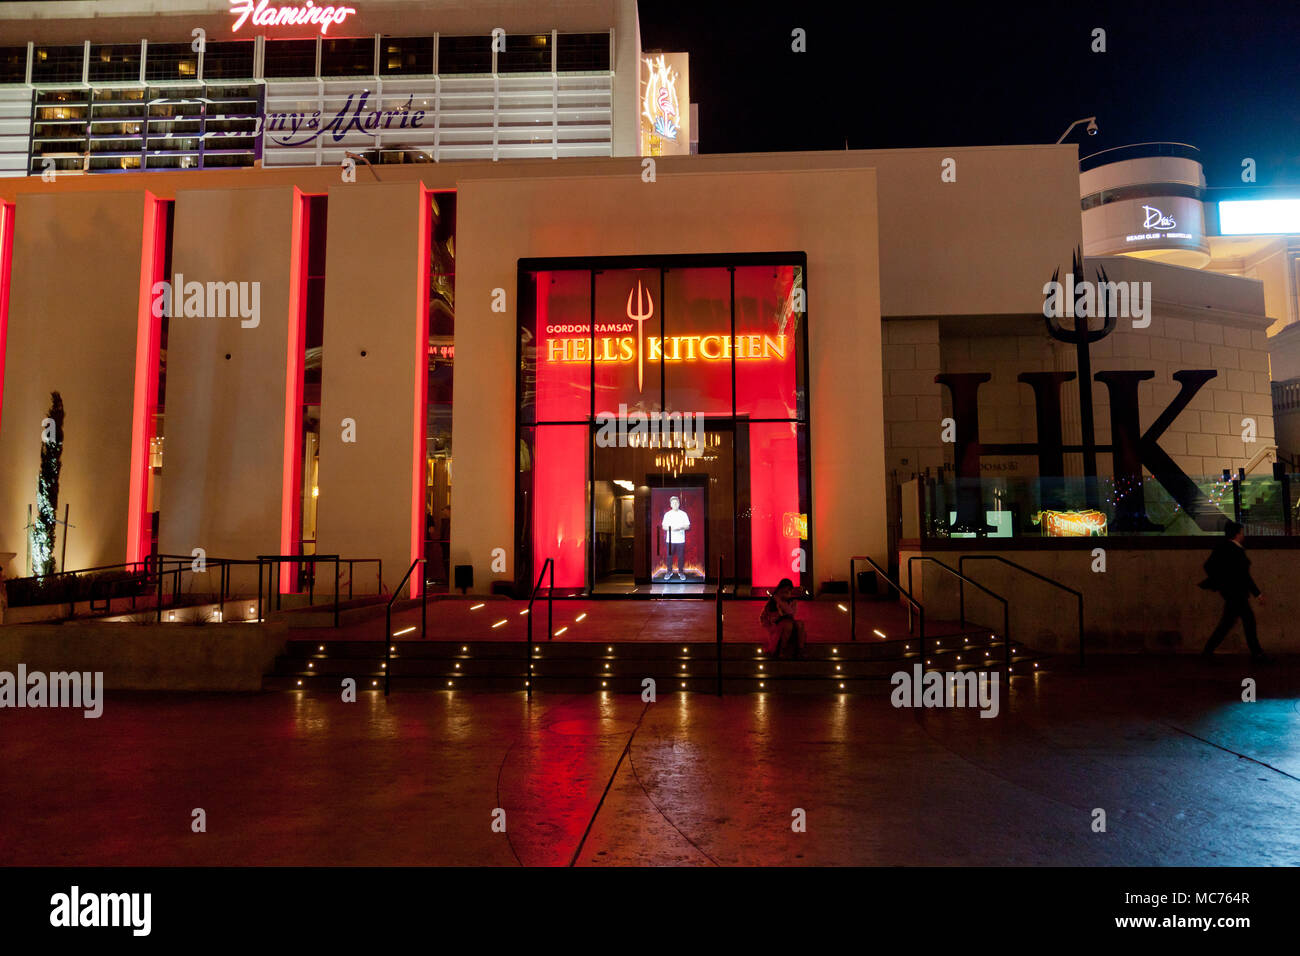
point(643, 312)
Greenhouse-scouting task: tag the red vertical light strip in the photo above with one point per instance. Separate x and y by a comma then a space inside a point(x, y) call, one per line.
point(421, 410)
point(6, 270)
point(290, 515)
point(148, 332)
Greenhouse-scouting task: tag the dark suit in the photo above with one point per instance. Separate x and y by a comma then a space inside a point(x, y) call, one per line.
point(1228, 572)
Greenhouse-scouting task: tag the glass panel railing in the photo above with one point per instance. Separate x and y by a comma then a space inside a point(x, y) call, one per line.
point(1020, 507)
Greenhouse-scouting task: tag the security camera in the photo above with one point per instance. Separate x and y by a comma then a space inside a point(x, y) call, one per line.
point(1092, 127)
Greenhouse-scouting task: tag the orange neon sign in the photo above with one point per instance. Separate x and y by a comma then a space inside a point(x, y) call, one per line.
point(574, 342)
point(1071, 524)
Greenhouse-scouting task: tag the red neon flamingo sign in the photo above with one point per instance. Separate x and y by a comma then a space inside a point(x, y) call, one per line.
point(287, 14)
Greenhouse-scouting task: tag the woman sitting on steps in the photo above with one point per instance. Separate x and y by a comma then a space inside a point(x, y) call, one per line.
point(784, 633)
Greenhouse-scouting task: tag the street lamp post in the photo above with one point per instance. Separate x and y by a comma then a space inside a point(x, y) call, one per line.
point(1092, 128)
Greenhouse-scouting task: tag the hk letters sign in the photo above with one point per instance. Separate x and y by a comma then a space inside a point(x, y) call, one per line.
point(1132, 447)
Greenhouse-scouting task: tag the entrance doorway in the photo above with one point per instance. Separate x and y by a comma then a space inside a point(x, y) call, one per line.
point(662, 425)
point(663, 515)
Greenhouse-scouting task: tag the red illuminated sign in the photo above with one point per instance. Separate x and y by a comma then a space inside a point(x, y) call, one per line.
point(574, 343)
point(262, 14)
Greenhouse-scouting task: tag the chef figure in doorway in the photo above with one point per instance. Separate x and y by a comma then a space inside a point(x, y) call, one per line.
point(676, 524)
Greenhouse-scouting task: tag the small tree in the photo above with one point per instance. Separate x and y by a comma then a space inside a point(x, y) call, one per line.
point(47, 488)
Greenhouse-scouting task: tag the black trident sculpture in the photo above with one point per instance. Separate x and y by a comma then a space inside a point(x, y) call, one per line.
point(1131, 448)
point(1082, 336)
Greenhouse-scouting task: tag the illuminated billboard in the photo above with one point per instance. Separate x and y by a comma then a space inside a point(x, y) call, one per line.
point(1257, 217)
point(665, 105)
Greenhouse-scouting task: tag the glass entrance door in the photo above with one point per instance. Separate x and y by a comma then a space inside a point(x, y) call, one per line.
point(663, 512)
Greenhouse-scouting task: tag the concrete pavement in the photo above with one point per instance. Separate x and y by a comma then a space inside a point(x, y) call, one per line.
point(1185, 771)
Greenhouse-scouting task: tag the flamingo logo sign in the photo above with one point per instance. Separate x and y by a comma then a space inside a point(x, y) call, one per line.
point(262, 14)
point(659, 106)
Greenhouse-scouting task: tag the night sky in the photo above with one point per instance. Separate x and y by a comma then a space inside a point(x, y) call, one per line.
point(1224, 77)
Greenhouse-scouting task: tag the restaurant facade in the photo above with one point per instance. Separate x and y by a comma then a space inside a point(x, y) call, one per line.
point(649, 366)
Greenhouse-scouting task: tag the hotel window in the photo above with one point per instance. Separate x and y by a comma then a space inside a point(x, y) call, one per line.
point(58, 64)
point(464, 55)
point(157, 412)
point(13, 64)
point(60, 129)
point(289, 58)
point(409, 56)
point(582, 52)
point(114, 62)
point(228, 60)
point(313, 362)
point(348, 57)
point(171, 61)
point(438, 445)
point(647, 380)
point(528, 53)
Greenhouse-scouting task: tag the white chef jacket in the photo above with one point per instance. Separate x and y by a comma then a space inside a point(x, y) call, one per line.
point(676, 523)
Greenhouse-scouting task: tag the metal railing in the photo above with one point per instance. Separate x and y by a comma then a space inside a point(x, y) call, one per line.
point(149, 575)
point(273, 580)
point(388, 620)
point(1286, 394)
point(548, 568)
point(961, 564)
point(1006, 610)
point(912, 603)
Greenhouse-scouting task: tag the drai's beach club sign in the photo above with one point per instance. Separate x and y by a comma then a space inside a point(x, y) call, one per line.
point(1157, 225)
point(262, 13)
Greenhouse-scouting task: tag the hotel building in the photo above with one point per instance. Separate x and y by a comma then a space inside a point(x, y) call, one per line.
point(388, 290)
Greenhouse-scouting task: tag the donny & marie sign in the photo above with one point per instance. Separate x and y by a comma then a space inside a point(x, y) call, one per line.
point(302, 128)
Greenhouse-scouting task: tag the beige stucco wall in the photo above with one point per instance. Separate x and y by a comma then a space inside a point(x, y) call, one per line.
point(371, 305)
point(830, 215)
point(215, 657)
point(73, 309)
point(974, 248)
point(223, 453)
point(1146, 599)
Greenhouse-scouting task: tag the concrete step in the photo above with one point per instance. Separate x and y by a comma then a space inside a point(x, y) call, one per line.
point(622, 666)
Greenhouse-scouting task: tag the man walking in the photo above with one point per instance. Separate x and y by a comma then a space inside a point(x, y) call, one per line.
point(1228, 572)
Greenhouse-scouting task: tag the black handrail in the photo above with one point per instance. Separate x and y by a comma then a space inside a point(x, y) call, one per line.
point(718, 612)
point(912, 603)
point(961, 562)
point(154, 567)
point(1006, 612)
point(379, 582)
point(273, 578)
point(388, 620)
point(548, 567)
